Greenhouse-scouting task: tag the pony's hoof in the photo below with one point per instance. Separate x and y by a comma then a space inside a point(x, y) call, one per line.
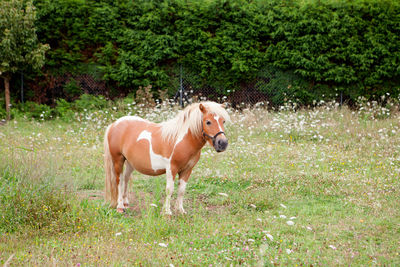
point(167, 213)
point(120, 210)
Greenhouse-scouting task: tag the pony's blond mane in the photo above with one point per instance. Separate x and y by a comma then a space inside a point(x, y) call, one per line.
point(190, 119)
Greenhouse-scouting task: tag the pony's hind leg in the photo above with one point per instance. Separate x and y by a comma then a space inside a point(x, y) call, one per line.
point(118, 167)
point(126, 176)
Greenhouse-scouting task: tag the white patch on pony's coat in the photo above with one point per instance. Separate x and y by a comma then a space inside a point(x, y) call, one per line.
point(144, 135)
point(158, 162)
point(129, 118)
point(219, 125)
point(180, 138)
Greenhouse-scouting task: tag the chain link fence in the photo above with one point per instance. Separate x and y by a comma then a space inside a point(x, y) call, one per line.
point(67, 86)
point(270, 87)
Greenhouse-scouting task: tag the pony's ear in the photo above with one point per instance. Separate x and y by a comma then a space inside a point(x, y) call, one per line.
point(202, 108)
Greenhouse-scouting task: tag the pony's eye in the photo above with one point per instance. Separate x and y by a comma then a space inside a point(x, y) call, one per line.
point(208, 122)
point(223, 122)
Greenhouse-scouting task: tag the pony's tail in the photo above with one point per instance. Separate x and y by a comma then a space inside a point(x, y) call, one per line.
point(111, 193)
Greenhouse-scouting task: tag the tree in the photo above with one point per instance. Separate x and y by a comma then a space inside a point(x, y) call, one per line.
point(19, 46)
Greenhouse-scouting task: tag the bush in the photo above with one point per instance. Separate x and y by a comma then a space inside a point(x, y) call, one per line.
point(36, 111)
point(64, 110)
point(90, 102)
point(328, 44)
point(72, 88)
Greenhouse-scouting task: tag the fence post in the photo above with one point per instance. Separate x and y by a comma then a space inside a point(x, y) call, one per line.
point(341, 98)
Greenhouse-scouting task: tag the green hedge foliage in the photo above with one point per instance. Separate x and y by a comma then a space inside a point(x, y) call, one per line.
point(338, 45)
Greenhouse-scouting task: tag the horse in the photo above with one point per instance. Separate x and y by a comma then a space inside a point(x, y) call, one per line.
point(171, 147)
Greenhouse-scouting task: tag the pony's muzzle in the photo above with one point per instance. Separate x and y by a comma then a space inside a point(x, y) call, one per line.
point(221, 143)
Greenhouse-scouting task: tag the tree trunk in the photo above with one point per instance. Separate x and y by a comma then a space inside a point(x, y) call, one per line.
point(7, 92)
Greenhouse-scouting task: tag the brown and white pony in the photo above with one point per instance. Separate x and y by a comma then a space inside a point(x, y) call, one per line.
point(171, 147)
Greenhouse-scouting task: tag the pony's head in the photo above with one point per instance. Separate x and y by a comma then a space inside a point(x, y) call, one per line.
point(204, 120)
point(212, 123)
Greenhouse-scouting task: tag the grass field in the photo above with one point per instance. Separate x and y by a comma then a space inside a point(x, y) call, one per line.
point(312, 187)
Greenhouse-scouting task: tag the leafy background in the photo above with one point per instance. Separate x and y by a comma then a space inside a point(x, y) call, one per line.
point(316, 48)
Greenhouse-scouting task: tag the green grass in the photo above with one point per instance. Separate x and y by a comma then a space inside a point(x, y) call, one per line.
point(333, 172)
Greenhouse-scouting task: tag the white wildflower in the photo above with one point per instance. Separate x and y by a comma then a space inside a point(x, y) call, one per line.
point(270, 237)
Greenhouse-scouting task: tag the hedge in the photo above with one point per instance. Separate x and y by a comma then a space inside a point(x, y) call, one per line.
point(338, 45)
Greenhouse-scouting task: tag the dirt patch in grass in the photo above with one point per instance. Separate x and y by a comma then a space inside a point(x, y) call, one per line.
point(211, 207)
point(91, 194)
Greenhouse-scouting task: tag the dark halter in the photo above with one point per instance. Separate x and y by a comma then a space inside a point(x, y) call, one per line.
point(213, 138)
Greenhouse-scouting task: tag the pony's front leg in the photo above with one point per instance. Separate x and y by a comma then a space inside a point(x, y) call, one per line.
point(169, 190)
point(181, 193)
point(183, 178)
